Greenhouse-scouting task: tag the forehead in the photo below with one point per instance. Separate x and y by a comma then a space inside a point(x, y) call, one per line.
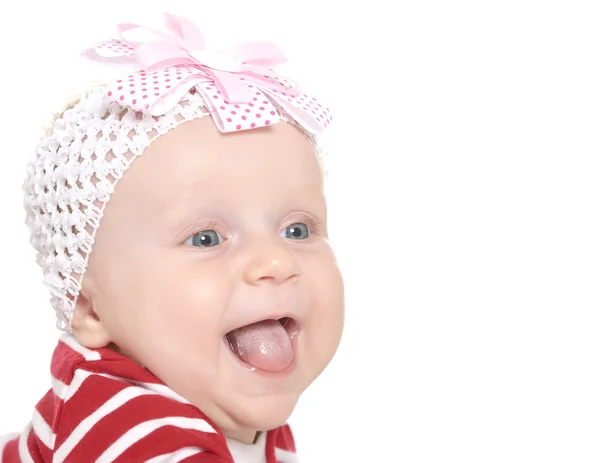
point(196, 156)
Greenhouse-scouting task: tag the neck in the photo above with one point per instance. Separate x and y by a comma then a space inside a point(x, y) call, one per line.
point(244, 436)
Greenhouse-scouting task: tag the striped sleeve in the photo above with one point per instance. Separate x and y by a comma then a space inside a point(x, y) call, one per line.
point(103, 408)
point(115, 411)
point(281, 447)
point(9, 445)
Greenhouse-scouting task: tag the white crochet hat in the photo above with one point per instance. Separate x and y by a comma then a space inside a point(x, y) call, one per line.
point(94, 141)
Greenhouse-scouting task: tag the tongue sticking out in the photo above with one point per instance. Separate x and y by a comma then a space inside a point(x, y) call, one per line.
point(265, 345)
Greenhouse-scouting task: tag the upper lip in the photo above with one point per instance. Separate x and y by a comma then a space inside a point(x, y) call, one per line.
point(265, 316)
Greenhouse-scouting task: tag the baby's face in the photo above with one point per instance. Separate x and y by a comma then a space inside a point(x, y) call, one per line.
point(209, 233)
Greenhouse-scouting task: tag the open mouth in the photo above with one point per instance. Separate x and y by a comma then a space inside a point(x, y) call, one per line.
point(266, 345)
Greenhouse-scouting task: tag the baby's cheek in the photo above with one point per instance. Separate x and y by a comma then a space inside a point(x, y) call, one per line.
point(327, 318)
point(328, 282)
point(178, 347)
point(173, 299)
point(182, 320)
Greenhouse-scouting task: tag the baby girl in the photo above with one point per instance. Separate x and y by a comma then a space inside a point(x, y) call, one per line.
point(179, 218)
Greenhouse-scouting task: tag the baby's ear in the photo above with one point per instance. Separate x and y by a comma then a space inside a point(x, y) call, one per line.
point(87, 325)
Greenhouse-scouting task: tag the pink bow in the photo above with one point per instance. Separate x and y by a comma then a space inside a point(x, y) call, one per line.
point(238, 86)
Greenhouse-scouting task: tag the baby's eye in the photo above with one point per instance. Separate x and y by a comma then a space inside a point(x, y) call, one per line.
point(296, 231)
point(205, 239)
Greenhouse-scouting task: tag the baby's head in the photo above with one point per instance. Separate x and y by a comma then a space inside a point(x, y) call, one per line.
point(198, 252)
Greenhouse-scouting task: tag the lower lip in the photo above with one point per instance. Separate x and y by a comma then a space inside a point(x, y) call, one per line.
point(269, 374)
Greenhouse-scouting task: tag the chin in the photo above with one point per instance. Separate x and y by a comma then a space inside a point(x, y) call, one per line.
point(264, 413)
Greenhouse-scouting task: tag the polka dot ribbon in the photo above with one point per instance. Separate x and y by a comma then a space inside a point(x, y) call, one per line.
point(238, 85)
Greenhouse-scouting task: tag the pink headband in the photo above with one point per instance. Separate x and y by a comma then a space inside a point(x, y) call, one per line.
point(238, 86)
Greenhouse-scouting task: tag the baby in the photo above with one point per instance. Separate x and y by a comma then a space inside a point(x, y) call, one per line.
point(196, 288)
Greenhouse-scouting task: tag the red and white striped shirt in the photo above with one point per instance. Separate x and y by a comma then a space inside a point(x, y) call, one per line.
point(103, 407)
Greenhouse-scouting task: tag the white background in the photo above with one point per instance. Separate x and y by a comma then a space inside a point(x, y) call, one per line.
point(465, 201)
